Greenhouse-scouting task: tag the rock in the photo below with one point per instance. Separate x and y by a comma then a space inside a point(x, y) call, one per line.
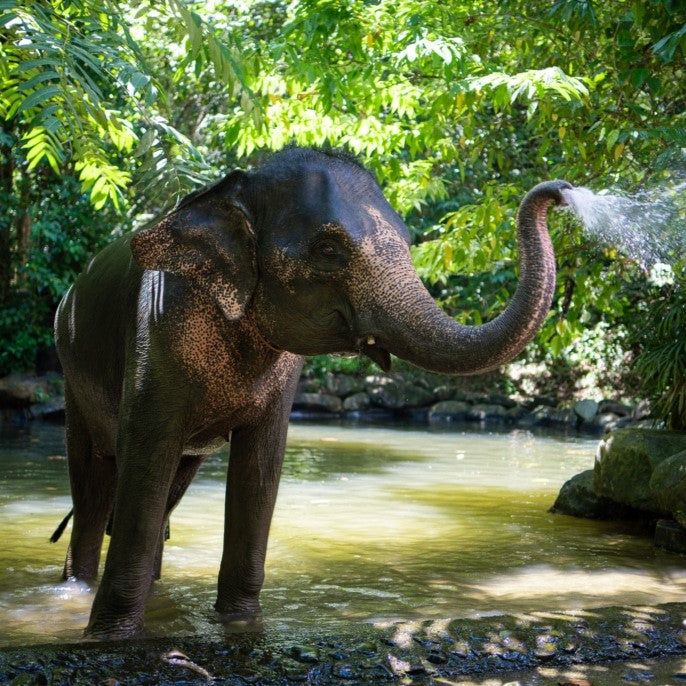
point(356, 402)
point(500, 399)
point(399, 394)
point(449, 411)
point(23, 390)
point(586, 409)
point(515, 413)
point(625, 462)
point(607, 420)
point(486, 412)
point(308, 386)
point(668, 484)
point(343, 385)
point(578, 499)
point(374, 380)
point(544, 415)
point(444, 393)
point(52, 409)
point(544, 400)
point(321, 402)
point(670, 536)
point(619, 409)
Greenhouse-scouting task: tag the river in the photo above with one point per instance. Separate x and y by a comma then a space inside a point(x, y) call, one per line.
point(374, 525)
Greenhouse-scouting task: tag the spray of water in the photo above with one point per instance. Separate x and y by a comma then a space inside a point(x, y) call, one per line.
point(649, 227)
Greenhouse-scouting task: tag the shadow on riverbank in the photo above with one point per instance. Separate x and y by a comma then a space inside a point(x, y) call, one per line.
point(538, 648)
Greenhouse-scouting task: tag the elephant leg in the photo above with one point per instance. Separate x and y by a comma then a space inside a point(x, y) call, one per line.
point(253, 481)
point(147, 462)
point(184, 475)
point(93, 479)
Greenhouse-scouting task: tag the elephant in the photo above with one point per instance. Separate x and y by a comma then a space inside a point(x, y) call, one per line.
point(191, 334)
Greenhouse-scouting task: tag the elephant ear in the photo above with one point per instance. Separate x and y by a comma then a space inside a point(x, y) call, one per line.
point(208, 240)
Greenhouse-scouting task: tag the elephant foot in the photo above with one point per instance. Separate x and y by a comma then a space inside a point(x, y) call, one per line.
point(240, 621)
point(238, 609)
point(111, 632)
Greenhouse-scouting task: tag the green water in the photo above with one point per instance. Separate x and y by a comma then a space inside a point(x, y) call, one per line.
point(372, 525)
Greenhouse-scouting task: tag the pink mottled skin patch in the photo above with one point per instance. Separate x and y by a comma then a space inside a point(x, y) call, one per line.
point(240, 375)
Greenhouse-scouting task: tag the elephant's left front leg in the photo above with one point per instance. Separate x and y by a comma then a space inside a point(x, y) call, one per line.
point(253, 481)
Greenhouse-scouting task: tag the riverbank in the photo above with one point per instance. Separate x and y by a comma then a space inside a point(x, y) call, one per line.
point(414, 397)
point(438, 651)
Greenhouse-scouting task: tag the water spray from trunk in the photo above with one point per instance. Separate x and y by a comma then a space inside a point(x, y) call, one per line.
point(649, 226)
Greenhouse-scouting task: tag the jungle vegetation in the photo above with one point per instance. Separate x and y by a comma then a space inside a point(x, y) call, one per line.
point(110, 111)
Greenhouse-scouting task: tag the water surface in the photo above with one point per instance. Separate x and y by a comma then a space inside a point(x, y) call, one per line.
point(372, 525)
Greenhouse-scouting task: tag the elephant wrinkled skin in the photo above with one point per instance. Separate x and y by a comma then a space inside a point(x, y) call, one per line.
point(191, 333)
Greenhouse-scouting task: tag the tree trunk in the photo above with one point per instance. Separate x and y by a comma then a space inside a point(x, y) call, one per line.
point(6, 179)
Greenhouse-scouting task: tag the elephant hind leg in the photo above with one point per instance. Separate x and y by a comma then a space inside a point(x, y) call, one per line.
point(187, 469)
point(93, 478)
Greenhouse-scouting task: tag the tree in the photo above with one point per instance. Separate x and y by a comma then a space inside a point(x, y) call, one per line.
point(458, 109)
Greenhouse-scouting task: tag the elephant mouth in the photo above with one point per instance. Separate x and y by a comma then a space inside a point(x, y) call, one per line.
point(370, 347)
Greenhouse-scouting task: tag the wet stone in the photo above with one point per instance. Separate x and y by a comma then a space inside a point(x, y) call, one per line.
point(436, 657)
point(346, 671)
point(638, 677)
point(304, 654)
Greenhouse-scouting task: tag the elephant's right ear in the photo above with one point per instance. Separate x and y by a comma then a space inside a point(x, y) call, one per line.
point(209, 240)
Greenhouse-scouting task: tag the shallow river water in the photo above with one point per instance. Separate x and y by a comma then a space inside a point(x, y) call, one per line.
point(372, 525)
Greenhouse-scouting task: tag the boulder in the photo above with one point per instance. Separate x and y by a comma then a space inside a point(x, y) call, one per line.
point(23, 390)
point(308, 386)
point(616, 408)
point(544, 415)
point(668, 485)
point(578, 499)
point(356, 402)
point(586, 409)
point(501, 399)
point(449, 411)
point(343, 385)
point(625, 462)
point(669, 535)
point(318, 402)
point(607, 420)
point(444, 393)
point(486, 412)
point(52, 409)
point(399, 394)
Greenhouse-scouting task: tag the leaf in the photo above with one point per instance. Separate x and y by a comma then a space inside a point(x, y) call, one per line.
point(37, 97)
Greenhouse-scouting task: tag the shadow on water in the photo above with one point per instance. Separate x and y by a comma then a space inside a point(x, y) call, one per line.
point(372, 525)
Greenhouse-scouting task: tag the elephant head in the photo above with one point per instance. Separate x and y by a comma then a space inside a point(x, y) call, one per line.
point(308, 248)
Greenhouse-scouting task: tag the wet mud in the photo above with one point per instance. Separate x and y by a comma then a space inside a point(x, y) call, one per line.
point(615, 645)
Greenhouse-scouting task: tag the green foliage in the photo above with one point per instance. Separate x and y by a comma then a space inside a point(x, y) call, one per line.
point(65, 234)
point(660, 338)
point(457, 109)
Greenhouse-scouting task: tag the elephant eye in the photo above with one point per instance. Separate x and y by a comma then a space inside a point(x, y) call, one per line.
point(327, 255)
point(327, 249)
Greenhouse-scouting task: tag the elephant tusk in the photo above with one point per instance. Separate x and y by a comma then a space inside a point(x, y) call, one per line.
point(370, 340)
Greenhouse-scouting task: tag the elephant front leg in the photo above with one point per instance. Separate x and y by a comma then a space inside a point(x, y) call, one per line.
point(147, 463)
point(253, 481)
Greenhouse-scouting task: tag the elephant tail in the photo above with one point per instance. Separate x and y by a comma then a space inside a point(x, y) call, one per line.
point(60, 529)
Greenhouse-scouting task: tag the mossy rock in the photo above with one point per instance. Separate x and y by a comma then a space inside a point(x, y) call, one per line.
point(626, 460)
point(668, 484)
point(578, 499)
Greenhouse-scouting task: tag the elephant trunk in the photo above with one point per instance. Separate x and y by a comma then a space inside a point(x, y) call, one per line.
point(415, 329)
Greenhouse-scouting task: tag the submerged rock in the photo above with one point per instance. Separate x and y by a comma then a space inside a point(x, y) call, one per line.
point(578, 499)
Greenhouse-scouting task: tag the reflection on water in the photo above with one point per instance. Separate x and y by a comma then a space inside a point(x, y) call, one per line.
point(372, 525)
